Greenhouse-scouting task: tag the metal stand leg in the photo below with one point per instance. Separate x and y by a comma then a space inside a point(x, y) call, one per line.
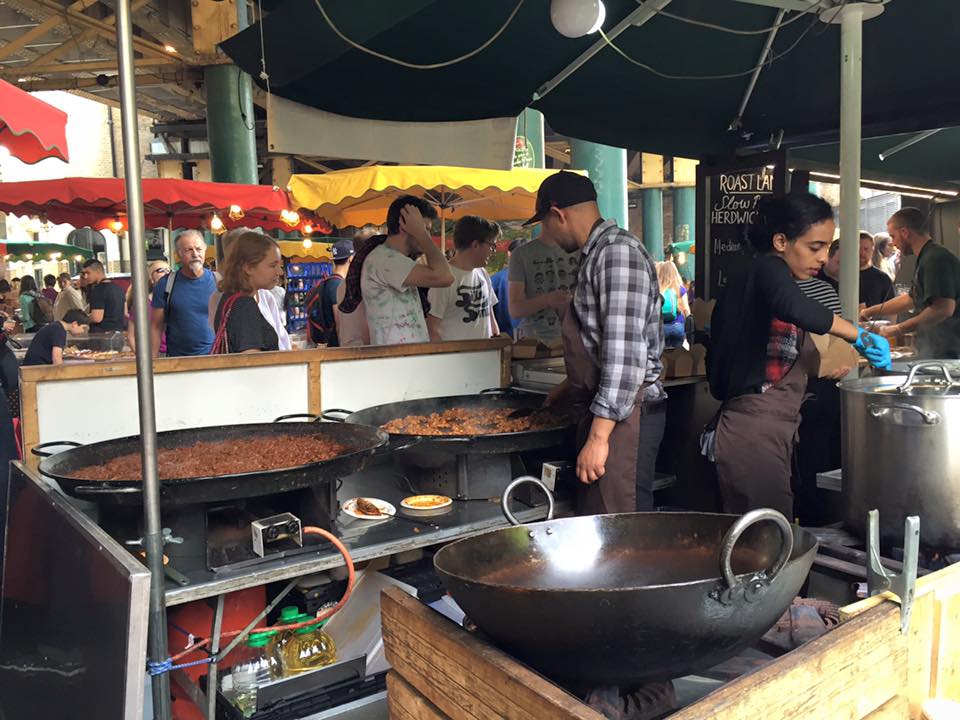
point(214, 649)
point(879, 579)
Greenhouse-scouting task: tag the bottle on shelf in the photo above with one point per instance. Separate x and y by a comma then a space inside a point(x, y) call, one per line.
point(261, 666)
point(309, 648)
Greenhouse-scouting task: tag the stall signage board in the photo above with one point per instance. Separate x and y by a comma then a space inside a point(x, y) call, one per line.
point(727, 197)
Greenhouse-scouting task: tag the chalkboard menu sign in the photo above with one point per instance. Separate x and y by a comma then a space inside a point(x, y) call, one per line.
point(727, 198)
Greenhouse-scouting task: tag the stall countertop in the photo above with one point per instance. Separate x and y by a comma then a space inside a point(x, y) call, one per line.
point(364, 539)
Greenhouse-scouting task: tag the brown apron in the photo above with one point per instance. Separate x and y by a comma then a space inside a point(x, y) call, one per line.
point(616, 491)
point(755, 440)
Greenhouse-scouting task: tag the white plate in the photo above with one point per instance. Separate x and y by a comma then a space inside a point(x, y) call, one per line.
point(447, 502)
point(388, 510)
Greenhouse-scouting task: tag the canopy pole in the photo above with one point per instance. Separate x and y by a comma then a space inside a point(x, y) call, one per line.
point(851, 51)
point(737, 121)
point(153, 537)
point(443, 232)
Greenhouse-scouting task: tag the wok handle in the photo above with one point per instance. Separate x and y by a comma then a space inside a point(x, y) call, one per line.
point(523, 479)
point(308, 416)
point(333, 415)
point(882, 412)
point(38, 449)
point(97, 490)
point(739, 527)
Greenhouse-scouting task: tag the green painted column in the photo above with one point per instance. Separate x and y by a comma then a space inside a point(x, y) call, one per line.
point(230, 125)
point(684, 217)
point(607, 167)
point(653, 222)
point(529, 153)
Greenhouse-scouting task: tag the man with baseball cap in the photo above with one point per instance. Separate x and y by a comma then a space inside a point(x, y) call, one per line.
point(323, 297)
point(612, 340)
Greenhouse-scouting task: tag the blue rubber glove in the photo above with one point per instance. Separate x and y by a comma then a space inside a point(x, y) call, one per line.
point(875, 348)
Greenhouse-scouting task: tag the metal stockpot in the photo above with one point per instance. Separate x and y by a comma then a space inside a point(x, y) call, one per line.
point(901, 453)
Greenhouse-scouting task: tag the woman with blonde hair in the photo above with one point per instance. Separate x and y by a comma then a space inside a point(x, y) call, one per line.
point(252, 263)
point(676, 307)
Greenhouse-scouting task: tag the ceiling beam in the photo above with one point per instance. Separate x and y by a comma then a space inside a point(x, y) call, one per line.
point(83, 83)
point(88, 34)
point(15, 46)
point(102, 28)
point(557, 154)
point(149, 20)
point(314, 164)
point(116, 104)
point(97, 66)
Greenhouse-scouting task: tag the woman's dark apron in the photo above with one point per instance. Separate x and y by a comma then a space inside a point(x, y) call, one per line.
point(616, 491)
point(755, 439)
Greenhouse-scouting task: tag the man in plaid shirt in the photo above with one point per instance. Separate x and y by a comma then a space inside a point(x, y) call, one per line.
point(613, 339)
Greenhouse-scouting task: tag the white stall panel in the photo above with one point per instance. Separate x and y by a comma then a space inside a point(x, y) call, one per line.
point(103, 408)
point(358, 384)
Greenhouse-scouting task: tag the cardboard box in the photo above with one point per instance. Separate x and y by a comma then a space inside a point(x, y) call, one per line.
point(701, 311)
point(529, 348)
point(677, 363)
point(699, 354)
point(835, 354)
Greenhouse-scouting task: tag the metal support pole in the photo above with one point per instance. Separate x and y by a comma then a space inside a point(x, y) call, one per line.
point(607, 167)
point(653, 222)
point(153, 536)
point(759, 69)
point(851, 51)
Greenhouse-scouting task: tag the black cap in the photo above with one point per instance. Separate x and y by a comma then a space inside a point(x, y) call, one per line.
point(562, 190)
point(342, 249)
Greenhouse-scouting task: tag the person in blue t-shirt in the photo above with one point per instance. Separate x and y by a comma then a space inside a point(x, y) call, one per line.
point(183, 310)
point(501, 288)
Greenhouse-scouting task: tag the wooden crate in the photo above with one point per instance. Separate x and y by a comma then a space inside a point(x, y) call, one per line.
point(862, 670)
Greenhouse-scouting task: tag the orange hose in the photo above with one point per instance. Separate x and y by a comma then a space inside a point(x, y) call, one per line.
point(351, 581)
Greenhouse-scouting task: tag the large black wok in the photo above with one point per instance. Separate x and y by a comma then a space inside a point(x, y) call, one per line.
point(361, 441)
point(493, 443)
point(632, 598)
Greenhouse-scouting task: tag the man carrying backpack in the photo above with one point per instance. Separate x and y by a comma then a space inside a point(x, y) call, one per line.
point(323, 297)
point(180, 301)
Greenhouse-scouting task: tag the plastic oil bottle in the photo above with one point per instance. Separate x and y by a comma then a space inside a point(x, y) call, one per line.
point(260, 667)
point(305, 649)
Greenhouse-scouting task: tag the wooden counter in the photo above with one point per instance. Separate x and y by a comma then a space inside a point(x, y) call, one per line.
point(862, 670)
point(98, 401)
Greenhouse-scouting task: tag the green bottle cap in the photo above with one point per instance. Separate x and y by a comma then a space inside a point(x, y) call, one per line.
point(260, 639)
point(288, 613)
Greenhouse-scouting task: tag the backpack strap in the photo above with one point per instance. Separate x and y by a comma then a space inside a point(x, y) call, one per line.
point(167, 292)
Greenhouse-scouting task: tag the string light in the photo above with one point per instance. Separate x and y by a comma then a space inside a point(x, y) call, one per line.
point(308, 229)
point(78, 258)
point(290, 218)
point(29, 256)
point(216, 225)
point(235, 213)
point(116, 225)
point(307, 243)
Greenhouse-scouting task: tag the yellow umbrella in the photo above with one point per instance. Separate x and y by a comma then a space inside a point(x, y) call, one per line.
point(359, 196)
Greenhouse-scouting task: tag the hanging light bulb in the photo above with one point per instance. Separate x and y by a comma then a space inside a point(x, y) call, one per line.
point(29, 256)
point(307, 243)
point(216, 225)
point(78, 258)
point(576, 18)
point(290, 217)
point(308, 229)
point(235, 213)
point(116, 225)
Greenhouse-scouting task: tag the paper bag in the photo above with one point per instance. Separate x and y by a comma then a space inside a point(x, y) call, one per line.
point(835, 354)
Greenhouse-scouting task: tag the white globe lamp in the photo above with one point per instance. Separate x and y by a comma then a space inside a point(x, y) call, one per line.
point(576, 18)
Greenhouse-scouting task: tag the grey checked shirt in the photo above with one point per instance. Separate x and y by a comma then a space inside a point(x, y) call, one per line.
point(617, 302)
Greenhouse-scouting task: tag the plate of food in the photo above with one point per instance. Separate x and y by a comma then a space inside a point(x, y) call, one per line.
point(367, 508)
point(426, 502)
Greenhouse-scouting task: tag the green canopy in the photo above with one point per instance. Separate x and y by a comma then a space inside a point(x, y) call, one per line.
point(910, 69)
point(43, 250)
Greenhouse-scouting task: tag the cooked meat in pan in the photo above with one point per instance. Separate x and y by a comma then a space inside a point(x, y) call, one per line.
point(473, 421)
point(225, 457)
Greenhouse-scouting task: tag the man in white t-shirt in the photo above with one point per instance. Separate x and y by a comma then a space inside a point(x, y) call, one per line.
point(464, 311)
point(390, 278)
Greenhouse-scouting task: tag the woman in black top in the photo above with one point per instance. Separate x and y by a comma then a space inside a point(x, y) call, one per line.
point(252, 263)
point(761, 352)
